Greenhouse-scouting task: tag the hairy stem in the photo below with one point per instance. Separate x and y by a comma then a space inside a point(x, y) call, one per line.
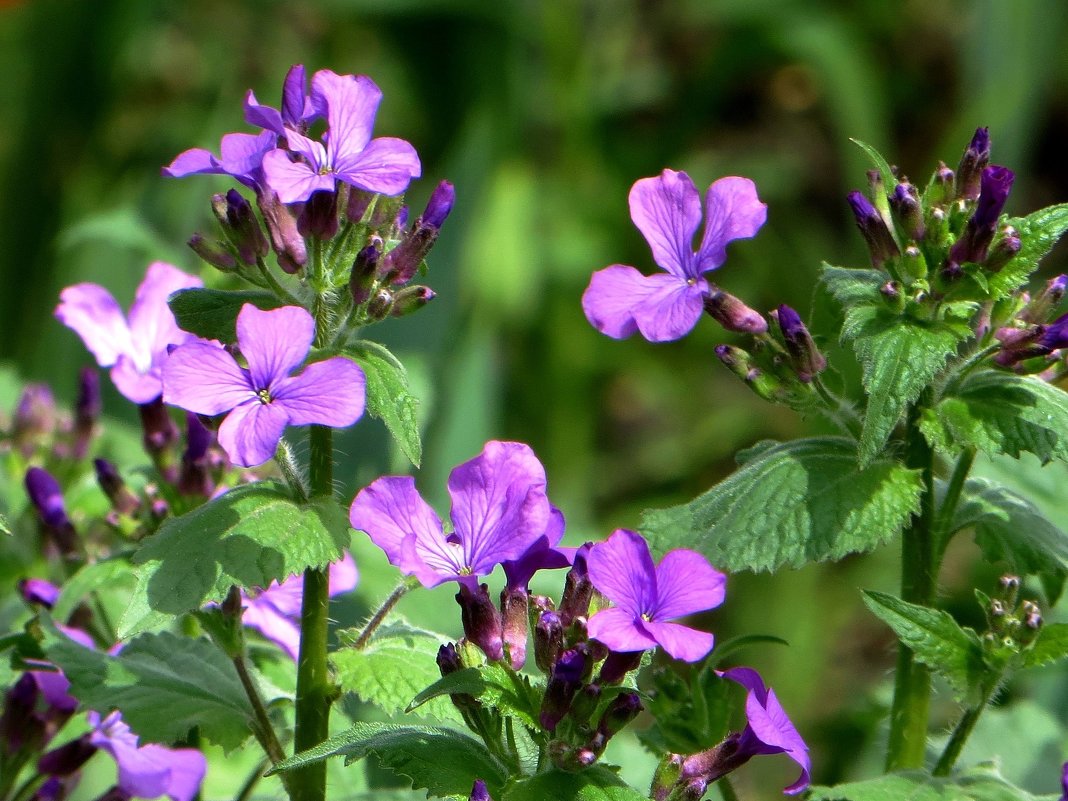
point(951, 499)
point(279, 290)
point(264, 730)
point(957, 740)
point(291, 471)
point(253, 779)
point(401, 590)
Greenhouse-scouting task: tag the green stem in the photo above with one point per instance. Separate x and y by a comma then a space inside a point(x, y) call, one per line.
point(253, 779)
point(314, 689)
point(291, 472)
point(962, 731)
point(951, 499)
point(264, 730)
point(282, 293)
point(726, 789)
point(401, 590)
point(29, 787)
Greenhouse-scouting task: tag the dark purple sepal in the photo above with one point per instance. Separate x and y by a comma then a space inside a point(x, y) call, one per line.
point(47, 499)
point(213, 253)
point(1040, 307)
point(194, 477)
point(620, 711)
point(20, 725)
point(68, 758)
point(730, 312)
point(548, 639)
point(402, 263)
point(358, 203)
point(617, 665)
point(1003, 251)
point(107, 476)
point(159, 435)
point(35, 417)
point(872, 226)
point(87, 410)
point(804, 355)
point(364, 267)
point(289, 246)
point(319, 217)
point(515, 621)
point(440, 205)
point(481, 620)
point(972, 163)
point(905, 203)
point(564, 681)
point(116, 793)
point(240, 226)
point(578, 589)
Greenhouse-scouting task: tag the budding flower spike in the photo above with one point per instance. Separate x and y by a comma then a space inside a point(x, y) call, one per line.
point(647, 597)
point(134, 347)
point(667, 210)
point(264, 398)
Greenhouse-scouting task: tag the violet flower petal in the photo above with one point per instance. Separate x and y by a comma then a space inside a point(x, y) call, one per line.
point(387, 165)
point(152, 325)
point(389, 510)
point(349, 103)
point(273, 613)
point(203, 378)
point(433, 560)
point(329, 393)
point(621, 569)
point(294, 181)
point(617, 630)
point(620, 300)
point(296, 105)
point(686, 583)
point(251, 431)
point(194, 161)
point(275, 342)
point(667, 210)
point(732, 211)
point(270, 119)
point(94, 315)
point(680, 641)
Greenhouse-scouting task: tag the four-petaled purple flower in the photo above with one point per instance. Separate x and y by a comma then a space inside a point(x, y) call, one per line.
point(647, 597)
point(667, 210)
point(135, 347)
point(499, 510)
point(264, 398)
point(240, 156)
point(275, 611)
point(297, 112)
point(349, 102)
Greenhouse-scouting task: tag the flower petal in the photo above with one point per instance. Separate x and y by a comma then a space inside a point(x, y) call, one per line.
point(667, 210)
point(680, 641)
point(96, 317)
point(293, 181)
point(152, 325)
point(434, 560)
point(499, 506)
point(686, 583)
point(196, 160)
point(618, 630)
point(329, 393)
point(134, 385)
point(250, 433)
point(273, 611)
point(294, 99)
point(350, 103)
point(390, 509)
point(620, 300)
point(203, 378)
point(241, 154)
point(274, 343)
point(343, 575)
point(732, 211)
point(387, 165)
point(621, 569)
point(263, 116)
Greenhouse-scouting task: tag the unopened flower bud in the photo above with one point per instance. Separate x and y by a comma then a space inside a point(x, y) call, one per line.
point(124, 501)
point(905, 202)
point(318, 218)
point(194, 477)
point(35, 417)
point(617, 665)
point(158, 435)
point(214, 253)
point(364, 266)
point(87, 409)
point(740, 363)
point(479, 792)
point(20, 725)
point(410, 299)
point(873, 228)
point(1033, 620)
point(972, 164)
point(941, 190)
point(564, 681)
point(379, 306)
point(1003, 251)
point(358, 202)
point(288, 244)
point(481, 620)
point(666, 776)
point(578, 589)
point(440, 204)
point(548, 639)
point(972, 245)
point(38, 592)
point(47, 499)
point(514, 624)
point(68, 758)
point(891, 290)
point(619, 713)
point(1039, 309)
point(913, 264)
point(400, 265)
point(805, 357)
point(733, 314)
point(240, 226)
point(1019, 345)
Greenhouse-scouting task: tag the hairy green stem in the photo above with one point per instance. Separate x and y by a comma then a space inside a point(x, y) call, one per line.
point(957, 740)
point(950, 501)
point(253, 779)
point(282, 293)
point(726, 789)
point(399, 592)
point(264, 731)
point(291, 471)
point(314, 689)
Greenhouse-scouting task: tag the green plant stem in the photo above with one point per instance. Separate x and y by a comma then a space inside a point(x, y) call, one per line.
point(253, 779)
point(282, 293)
point(726, 789)
point(29, 787)
point(291, 472)
point(264, 730)
point(409, 583)
point(951, 499)
point(314, 689)
point(963, 730)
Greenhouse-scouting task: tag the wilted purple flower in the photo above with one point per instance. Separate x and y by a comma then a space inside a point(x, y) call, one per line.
point(768, 731)
point(275, 611)
point(646, 598)
point(134, 347)
point(499, 510)
point(264, 398)
point(349, 102)
point(147, 771)
point(667, 210)
point(297, 111)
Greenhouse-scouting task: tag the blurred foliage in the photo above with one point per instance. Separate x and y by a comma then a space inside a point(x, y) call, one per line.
point(543, 114)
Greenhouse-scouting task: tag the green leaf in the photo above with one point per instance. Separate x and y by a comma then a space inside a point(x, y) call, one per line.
point(509, 692)
point(392, 668)
point(250, 536)
point(1051, 645)
point(89, 578)
point(164, 685)
point(5, 527)
point(1039, 232)
point(388, 396)
point(801, 501)
point(1001, 412)
point(596, 784)
point(444, 762)
point(850, 287)
point(981, 783)
point(879, 161)
point(936, 639)
point(1010, 528)
point(900, 356)
point(212, 313)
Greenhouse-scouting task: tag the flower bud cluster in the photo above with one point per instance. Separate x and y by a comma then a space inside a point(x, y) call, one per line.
point(1012, 623)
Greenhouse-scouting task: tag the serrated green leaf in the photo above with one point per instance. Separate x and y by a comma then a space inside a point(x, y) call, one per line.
point(90, 577)
point(936, 639)
point(899, 356)
point(596, 784)
point(392, 668)
point(1010, 528)
point(1051, 645)
point(1001, 412)
point(250, 536)
point(509, 692)
point(444, 762)
point(164, 686)
point(1039, 232)
point(212, 313)
point(850, 287)
point(798, 502)
point(388, 397)
point(977, 784)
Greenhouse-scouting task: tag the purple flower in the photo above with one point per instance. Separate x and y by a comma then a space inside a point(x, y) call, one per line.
point(542, 555)
point(297, 111)
point(240, 155)
point(135, 347)
point(264, 398)
point(147, 771)
point(275, 611)
point(646, 598)
point(349, 102)
point(499, 510)
point(667, 210)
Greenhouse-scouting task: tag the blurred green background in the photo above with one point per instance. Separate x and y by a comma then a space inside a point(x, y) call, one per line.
point(543, 114)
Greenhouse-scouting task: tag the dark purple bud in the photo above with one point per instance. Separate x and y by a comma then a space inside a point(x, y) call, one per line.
point(448, 660)
point(38, 592)
point(318, 218)
point(288, 244)
point(364, 267)
point(1004, 250)
point(942, 190)
point(1020, 344)
point(617, 665)
point(805, 356)
point(548, 640)
point(718, 761)
point(873, 228)
point(240, 226)
point(68, 758)
point(905, 202)
point(87, 409)
point(401, 264)
point(123, 501)
point(514, 603)
point(1039, 309)
point(619, 713)
point(891, 290)
point(20, 725)
point(194, 477)
point(116, 793)
point(401, 219)
point(439, 205)
point(35, 417)
point(214, 254)
point(293, 96)
point(378, 307)
point(159, 435)
point(973, 242)
point(972, 164)
point(481, 620)
point(410, 299)
point(733, 314)
point(564, 681)
point(359, 201)
point(47, 499)
point(578, 589)
point(1033, 620)
point(479, 791)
